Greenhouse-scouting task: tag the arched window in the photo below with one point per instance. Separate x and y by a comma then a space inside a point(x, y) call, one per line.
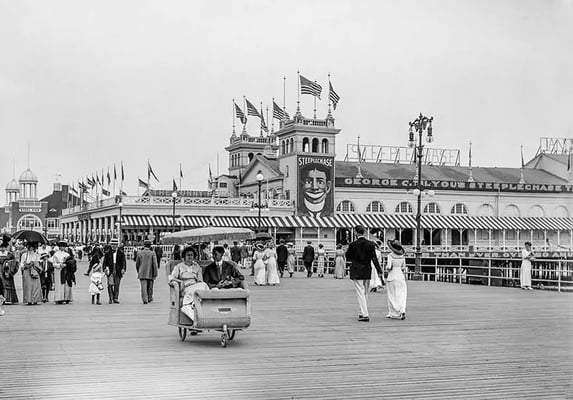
point(486, 210)
point(375, 207)
point(536, 211)
point(404, 208)
point(291, 150)
point(459, 208)
point(325, 145)
point(561, 212)
point(511, 210)
point(29, 222)
point(432, 208)
point(315, 145)
point(251, 155)
point(305, 145)
point(283, 147)
point(345, 206)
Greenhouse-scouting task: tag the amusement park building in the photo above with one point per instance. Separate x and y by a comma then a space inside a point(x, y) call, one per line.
point(309, 195)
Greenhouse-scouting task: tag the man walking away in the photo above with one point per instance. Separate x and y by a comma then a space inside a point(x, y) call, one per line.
point(236, 253)
point(158, 254)
point(362, 252)
point(146, 266)
point(308, 258)
point(120, 265)
point(282, 256)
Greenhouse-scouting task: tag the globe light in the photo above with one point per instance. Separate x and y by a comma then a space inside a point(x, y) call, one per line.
point(431, 193)
point(416, 192)
point(260, 177)
point(174, 195)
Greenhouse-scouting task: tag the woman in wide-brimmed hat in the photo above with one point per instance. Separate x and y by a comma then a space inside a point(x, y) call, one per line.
point(259, 264)
point(30, 267)
point(396, 281)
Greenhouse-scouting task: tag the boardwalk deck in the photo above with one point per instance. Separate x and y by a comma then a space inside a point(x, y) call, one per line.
point(459, 341)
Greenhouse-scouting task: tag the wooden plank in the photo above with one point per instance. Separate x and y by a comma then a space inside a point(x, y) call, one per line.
point(459, 341)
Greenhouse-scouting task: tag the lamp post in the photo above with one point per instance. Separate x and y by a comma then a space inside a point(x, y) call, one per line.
point(174, 197)
point(259, 178)
point(418, 126)
point(120, 236)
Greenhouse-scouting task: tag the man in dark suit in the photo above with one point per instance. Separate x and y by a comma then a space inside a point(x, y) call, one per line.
point(282, 256)
point(119, 267)
point(146, 266)
point(236, 253)
point(308, 258)
point(222, 274)
point(159, 254)
point(362, 252)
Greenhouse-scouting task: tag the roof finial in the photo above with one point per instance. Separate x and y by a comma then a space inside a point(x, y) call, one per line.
point(359, 173)
point(28, 155)
point(471, 177)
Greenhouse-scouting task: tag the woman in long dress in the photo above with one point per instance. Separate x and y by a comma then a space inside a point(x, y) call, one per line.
point(62, 291)
point(30, 266)
point(320, 261)
point(376, 282)
point(339, 262)
point(190, 275)
point(396, 281)
point(8, 268)
point(291, 259)
point(525, 273)
point(259, 264)
point(271, 260)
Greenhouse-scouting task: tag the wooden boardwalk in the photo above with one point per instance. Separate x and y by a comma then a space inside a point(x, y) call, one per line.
point(459, 341)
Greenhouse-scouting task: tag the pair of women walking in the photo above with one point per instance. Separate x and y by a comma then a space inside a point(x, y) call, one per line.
point(265, 265)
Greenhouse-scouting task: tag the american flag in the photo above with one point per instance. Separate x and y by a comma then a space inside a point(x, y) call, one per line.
point(105, 192)
point(114, 173)
point(264, 126)
point(240, 114)
point(150, 172)
point(174, 185)
point(332, 96)
point(142, 184)
point(252, 110)
point(309, 87)
point(279, 113)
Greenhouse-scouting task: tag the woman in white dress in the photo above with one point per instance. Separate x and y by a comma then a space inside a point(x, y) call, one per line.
point(259, 264)
point(291, 260)
point(375, 280)
point(320, 261)
point(272, 270)
point(525, 273)
point(396, 281)
point(62, 291)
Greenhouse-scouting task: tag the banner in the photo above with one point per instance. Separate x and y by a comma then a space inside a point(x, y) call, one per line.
point(316, 185)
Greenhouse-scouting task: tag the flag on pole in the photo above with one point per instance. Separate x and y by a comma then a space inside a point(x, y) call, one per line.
point(569, 162)
point(240, 114)
point(73, 189)
point(279, 113)
point(150, 172)
point(210, 174)
point(309, 87)
point(180, 171)
point(142, 184)
point(90, 181)
point(332, 96)
point(114, 173)
point(97, 179)
point(123, 193)
point(264, 126)
point(108, 177)
point(174, 185)
point(252, 110)
point(122, 174)
point(104, 192)
point(522, 162)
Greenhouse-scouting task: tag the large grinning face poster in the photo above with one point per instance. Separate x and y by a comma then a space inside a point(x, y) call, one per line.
point(316, 185)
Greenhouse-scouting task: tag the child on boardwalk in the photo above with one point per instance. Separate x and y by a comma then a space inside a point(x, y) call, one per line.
point(96, 284)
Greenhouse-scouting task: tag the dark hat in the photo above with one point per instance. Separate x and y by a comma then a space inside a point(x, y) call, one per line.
point(359, 229)
point(187, 250)
point(219, 249)
point(5, 240)
point(147, 243)
point(309, 242)
point(282, 241)
point(527, 243)
point(62, 243)
point(396, 247)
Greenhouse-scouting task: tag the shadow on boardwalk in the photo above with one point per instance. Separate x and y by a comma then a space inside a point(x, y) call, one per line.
point(305, 342)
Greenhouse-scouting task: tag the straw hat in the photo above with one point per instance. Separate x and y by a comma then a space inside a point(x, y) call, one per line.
point(259, 246)
point(396, 247)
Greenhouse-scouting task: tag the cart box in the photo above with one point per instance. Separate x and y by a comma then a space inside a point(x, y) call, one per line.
point(215, 308)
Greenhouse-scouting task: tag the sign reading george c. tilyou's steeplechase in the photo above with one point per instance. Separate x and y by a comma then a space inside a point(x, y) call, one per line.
point(452, 185)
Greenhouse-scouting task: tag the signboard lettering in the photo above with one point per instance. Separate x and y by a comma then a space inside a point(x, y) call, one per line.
point(316, 187)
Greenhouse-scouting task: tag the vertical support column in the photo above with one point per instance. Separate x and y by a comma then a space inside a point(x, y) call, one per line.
point(489, 239)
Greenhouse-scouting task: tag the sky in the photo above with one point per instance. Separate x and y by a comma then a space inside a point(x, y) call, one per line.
point(89, 84)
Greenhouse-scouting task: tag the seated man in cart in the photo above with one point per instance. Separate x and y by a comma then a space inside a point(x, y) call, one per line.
point(189, 275)
point(223, 274)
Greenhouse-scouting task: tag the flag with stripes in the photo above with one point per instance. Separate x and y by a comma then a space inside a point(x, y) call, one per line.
point(252, 110)
point(332, 96)
point(122, 174)
point(180, 171)
point(90, 182)
point(309, 87)
point(114, 173)
point(105, 192)
point(240, 114)
point(174, 185)
point(279, 113)
point(150, 172)
point(108, 177)
point(142, 184)
point(264, 126)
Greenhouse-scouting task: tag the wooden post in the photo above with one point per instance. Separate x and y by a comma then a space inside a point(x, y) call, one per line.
point(489, 272)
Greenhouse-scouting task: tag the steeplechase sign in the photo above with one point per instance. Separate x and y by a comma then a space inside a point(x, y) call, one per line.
point(452, 185)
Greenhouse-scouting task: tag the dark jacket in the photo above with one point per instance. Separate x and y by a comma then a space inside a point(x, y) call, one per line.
point(146, 264)
point(236, 254)
point(229, 272)
point(120, 263)
point(308, 254)
point(282, 254)
point(68, 271)
point(362, 252)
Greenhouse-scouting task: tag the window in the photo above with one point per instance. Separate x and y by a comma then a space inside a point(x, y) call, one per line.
point(459, 209)
point(432, 208)
point(325, 145)
point(561, 212)
point(251, 155)
point(291, 145)
point(483, 234)
point(510, 235)
point(538, 235)
point(404, 208)
point(345, 206)
point(375, 207)
point(29, 221)
point(485, 210)
point(223, 185)
point(315, 145)
point(511, 211)
point(305, 145)
point(536, 211)
point(283, 147)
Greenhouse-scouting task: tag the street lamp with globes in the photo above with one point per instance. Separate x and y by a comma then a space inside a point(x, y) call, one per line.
point(419, 125)
point(174, 197)
point(259, 178)
point(120, 236)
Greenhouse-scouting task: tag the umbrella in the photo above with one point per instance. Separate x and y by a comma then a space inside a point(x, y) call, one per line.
point(30, 236)
point(208, 234)
point(263, 236)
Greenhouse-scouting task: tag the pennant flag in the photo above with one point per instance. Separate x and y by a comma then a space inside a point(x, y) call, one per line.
point(279, 113)
point(82, 186)
point(332, 96)
point(104, 192)
point(309, 87)
point(522, 162)
point(114, 173)
point(174, 185)
point(123, 193)
point(122, 174)
point(252, 110)
point(210, 174)
point(72, 189)
point(142, 184)
point(150, 172)
point(97, 179)
point(264, 126)
point(240, 114)
point(90, 181)
point(180, 171)
point(108, 177)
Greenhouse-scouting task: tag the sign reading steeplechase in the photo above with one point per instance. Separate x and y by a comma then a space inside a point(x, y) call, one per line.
point(452, 185)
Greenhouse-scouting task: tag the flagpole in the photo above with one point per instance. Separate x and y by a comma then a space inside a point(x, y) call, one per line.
point(262, 116)
point(114, 178)
point(284, 94)
point(233, 116)
point(148, 175)
point(298, 94)
point(244, 108)
point(314, 104)
point(471, 177)
point(521, 179)
point(272, 119)
point(121, 184)
point(329, 86)
point(181, 170)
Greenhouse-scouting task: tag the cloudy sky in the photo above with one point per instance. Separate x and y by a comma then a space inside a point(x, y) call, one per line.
point(90, 83)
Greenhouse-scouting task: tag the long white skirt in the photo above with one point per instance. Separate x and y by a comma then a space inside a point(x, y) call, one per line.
point(525, 276)
point(260, 273)
point(272, 272)
point(375, 281)
point(397, 295)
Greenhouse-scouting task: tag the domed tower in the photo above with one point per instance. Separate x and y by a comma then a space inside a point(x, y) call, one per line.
point(12, 191)
point(28, 182)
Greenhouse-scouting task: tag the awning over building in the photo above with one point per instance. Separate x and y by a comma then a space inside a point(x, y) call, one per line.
point(399, 221)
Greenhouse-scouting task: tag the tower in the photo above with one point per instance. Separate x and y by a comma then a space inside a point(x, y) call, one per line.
point(28, 183)
point(243, 148)
point(12, 191)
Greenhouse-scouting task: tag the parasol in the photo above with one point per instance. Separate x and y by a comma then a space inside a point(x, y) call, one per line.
point(30, 236)
point(263, 236)
point(208, 234)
